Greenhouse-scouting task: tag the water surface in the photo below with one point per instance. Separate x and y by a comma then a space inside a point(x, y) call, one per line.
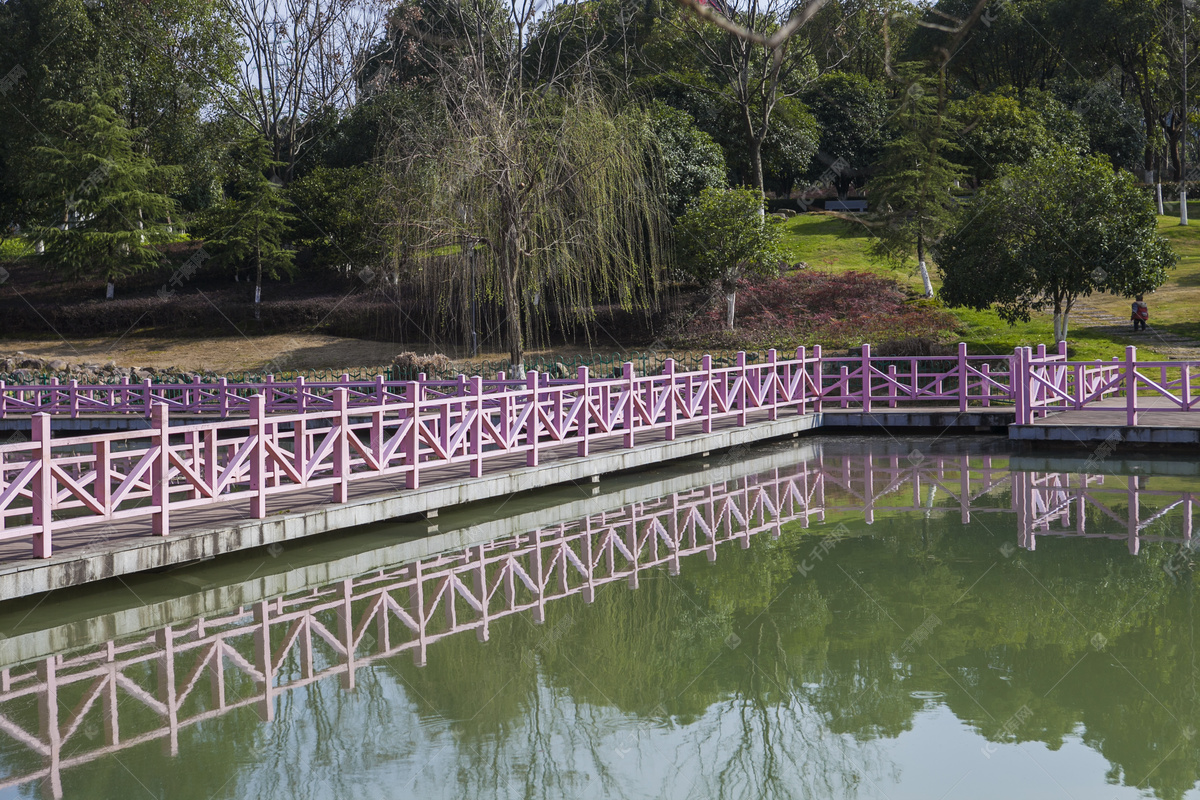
point(867, 618)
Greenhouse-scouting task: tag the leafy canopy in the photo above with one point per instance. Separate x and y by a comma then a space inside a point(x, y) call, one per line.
point(724, 237)
point(1042, 234)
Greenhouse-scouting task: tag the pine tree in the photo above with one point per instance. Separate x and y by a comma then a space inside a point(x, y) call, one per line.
point(114, 208)
point(911, 189)
point(249, 226)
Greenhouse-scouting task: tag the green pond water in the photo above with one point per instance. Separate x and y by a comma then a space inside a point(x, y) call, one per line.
point(1025, 652)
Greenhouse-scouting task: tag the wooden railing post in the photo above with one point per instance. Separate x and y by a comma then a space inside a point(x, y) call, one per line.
point(964, 379)
point(42, 487)
point(631, 392)
point(301, 395)
point(341, 447)
point(1016, 372)
point(223, 397)
point(818, 377)
point(258, 457)
point(582, 422)
point(73, 398)
point(533, 421)
point(160, 470)
point(866, 378)
point(772, 378)
point(477, 427)
point(669, 388)
point(743, 378)
point(1131, 406)
point(149, 406)
point(412, 442)
point(706, 404)
point(802, 376)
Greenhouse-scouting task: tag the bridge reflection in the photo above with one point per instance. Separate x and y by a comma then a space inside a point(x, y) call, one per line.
point(72, 708)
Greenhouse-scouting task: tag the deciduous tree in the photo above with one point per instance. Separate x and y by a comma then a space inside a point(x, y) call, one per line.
point(1046, 233)
point(723, 238)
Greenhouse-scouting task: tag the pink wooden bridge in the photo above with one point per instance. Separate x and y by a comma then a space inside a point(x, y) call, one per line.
point(67, 709)
point(289, 440)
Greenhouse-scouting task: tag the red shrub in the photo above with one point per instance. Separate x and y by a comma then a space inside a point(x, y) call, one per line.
point(812, 307)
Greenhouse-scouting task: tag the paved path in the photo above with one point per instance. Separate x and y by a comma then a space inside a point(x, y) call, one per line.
point(1169, 344)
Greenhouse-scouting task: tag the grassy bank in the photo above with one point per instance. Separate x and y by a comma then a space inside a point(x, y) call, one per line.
point(826, 242)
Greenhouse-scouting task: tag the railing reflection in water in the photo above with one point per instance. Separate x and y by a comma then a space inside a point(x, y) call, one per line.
point(185, 674)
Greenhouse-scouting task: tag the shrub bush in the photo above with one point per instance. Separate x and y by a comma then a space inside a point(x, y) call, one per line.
point(841, 309)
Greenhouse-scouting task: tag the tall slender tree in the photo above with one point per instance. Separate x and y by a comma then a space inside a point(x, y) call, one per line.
point(914, 177)
point(249, 226)
point(113, 206)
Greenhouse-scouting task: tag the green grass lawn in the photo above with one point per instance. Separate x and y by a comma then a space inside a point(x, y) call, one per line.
point(12, 249)
point(826, 242)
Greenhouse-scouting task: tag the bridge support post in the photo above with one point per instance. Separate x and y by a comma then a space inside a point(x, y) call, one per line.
point(477, 427)
point(1131, 408)
point(964, 379)
point(341, 446)
point(42, 487)
point(258, 457)
point(160, 471)
point(866, 379)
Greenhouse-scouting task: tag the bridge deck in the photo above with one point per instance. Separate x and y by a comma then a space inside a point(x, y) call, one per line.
point(1106, 421)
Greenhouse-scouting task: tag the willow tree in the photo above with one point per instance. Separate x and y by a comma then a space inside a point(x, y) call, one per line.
point(543, 193)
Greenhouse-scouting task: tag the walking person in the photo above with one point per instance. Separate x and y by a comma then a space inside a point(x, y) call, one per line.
point(1140, 312)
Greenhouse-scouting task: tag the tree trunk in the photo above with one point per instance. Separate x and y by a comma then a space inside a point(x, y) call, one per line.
point(730, 306)
point(257, 282)
point(757, 167)
point(922, 267)
point(1060, 321)
point(512, 308)
point(110, 290)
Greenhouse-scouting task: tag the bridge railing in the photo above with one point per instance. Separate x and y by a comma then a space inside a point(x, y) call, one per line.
point(54, 485)
point(1061, 385)
point(862, 380)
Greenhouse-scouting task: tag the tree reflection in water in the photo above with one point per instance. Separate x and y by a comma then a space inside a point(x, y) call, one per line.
point(765, 673)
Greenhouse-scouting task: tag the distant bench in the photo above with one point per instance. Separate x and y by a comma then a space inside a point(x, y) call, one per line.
point(846, 205)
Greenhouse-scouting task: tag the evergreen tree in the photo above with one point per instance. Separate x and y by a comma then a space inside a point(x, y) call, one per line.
point(914, 177)
point(247, 228)
point(114, 211)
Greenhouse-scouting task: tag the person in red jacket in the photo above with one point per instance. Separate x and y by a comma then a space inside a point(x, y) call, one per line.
point(1140, 313)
